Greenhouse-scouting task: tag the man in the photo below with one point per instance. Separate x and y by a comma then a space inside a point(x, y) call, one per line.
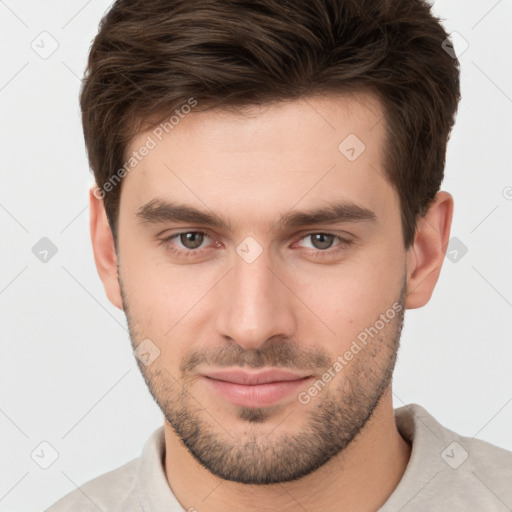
point(266, 208)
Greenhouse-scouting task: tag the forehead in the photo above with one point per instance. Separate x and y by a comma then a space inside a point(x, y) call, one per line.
point(264, 159)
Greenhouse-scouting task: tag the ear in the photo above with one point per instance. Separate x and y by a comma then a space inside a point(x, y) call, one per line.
point(103, 246)
point(426, 255)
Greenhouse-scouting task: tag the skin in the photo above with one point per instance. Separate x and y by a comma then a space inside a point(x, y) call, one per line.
point(250, 167)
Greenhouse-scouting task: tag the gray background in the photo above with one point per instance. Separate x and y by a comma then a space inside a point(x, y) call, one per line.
point(68, 377)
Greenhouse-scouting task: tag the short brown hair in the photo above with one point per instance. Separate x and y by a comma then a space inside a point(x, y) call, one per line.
point(150, 57)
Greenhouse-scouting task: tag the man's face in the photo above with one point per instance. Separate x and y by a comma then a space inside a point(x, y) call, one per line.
point(265, 289)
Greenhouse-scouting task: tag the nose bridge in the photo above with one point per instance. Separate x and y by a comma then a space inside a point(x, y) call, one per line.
point(255, 304)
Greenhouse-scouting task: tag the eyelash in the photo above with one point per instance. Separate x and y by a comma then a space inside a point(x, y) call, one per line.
point(317, 254)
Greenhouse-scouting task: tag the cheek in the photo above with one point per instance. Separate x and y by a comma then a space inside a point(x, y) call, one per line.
point(351, 297)
point(167, 303)
point(147, 290)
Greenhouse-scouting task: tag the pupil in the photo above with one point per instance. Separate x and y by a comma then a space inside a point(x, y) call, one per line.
point(322, 241)
point(191, 240)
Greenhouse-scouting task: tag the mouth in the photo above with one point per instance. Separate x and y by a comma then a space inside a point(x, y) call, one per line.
point(260, 388)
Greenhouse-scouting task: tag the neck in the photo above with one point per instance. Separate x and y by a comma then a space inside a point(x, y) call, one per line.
point(360, 478)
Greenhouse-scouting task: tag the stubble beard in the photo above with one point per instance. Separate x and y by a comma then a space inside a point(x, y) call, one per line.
point(334, 417)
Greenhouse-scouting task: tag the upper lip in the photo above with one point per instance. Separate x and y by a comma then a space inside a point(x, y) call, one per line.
point(252, 378)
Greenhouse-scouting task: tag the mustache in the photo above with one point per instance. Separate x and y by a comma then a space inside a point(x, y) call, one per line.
point(277, 354)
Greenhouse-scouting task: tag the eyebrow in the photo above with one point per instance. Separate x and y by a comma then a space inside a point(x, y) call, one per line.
point(159, 211)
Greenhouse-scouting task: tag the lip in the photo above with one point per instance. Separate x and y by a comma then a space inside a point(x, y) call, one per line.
point(251, 378)
point(254, 389)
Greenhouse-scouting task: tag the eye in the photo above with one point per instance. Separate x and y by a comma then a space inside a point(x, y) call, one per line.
point(193, 243)
point(324, 241)
point(186, 242)
point(321, 241)
point(324, 245)
point(192, 239)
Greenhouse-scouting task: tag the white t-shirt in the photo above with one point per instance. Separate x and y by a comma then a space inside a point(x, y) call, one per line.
point(446, 472)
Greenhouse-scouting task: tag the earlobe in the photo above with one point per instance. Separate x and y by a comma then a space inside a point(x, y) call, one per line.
point(105, 255)
point(425, 257)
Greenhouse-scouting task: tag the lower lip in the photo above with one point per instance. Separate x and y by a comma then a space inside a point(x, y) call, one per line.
point(256, 395)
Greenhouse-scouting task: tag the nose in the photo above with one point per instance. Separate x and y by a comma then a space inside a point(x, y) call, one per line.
point(255, 304)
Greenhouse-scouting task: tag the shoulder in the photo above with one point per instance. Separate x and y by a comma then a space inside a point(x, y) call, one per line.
point(133, 487)
point(488, 468)
point(448, 471)
point(457, 451)
point(115, 490)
